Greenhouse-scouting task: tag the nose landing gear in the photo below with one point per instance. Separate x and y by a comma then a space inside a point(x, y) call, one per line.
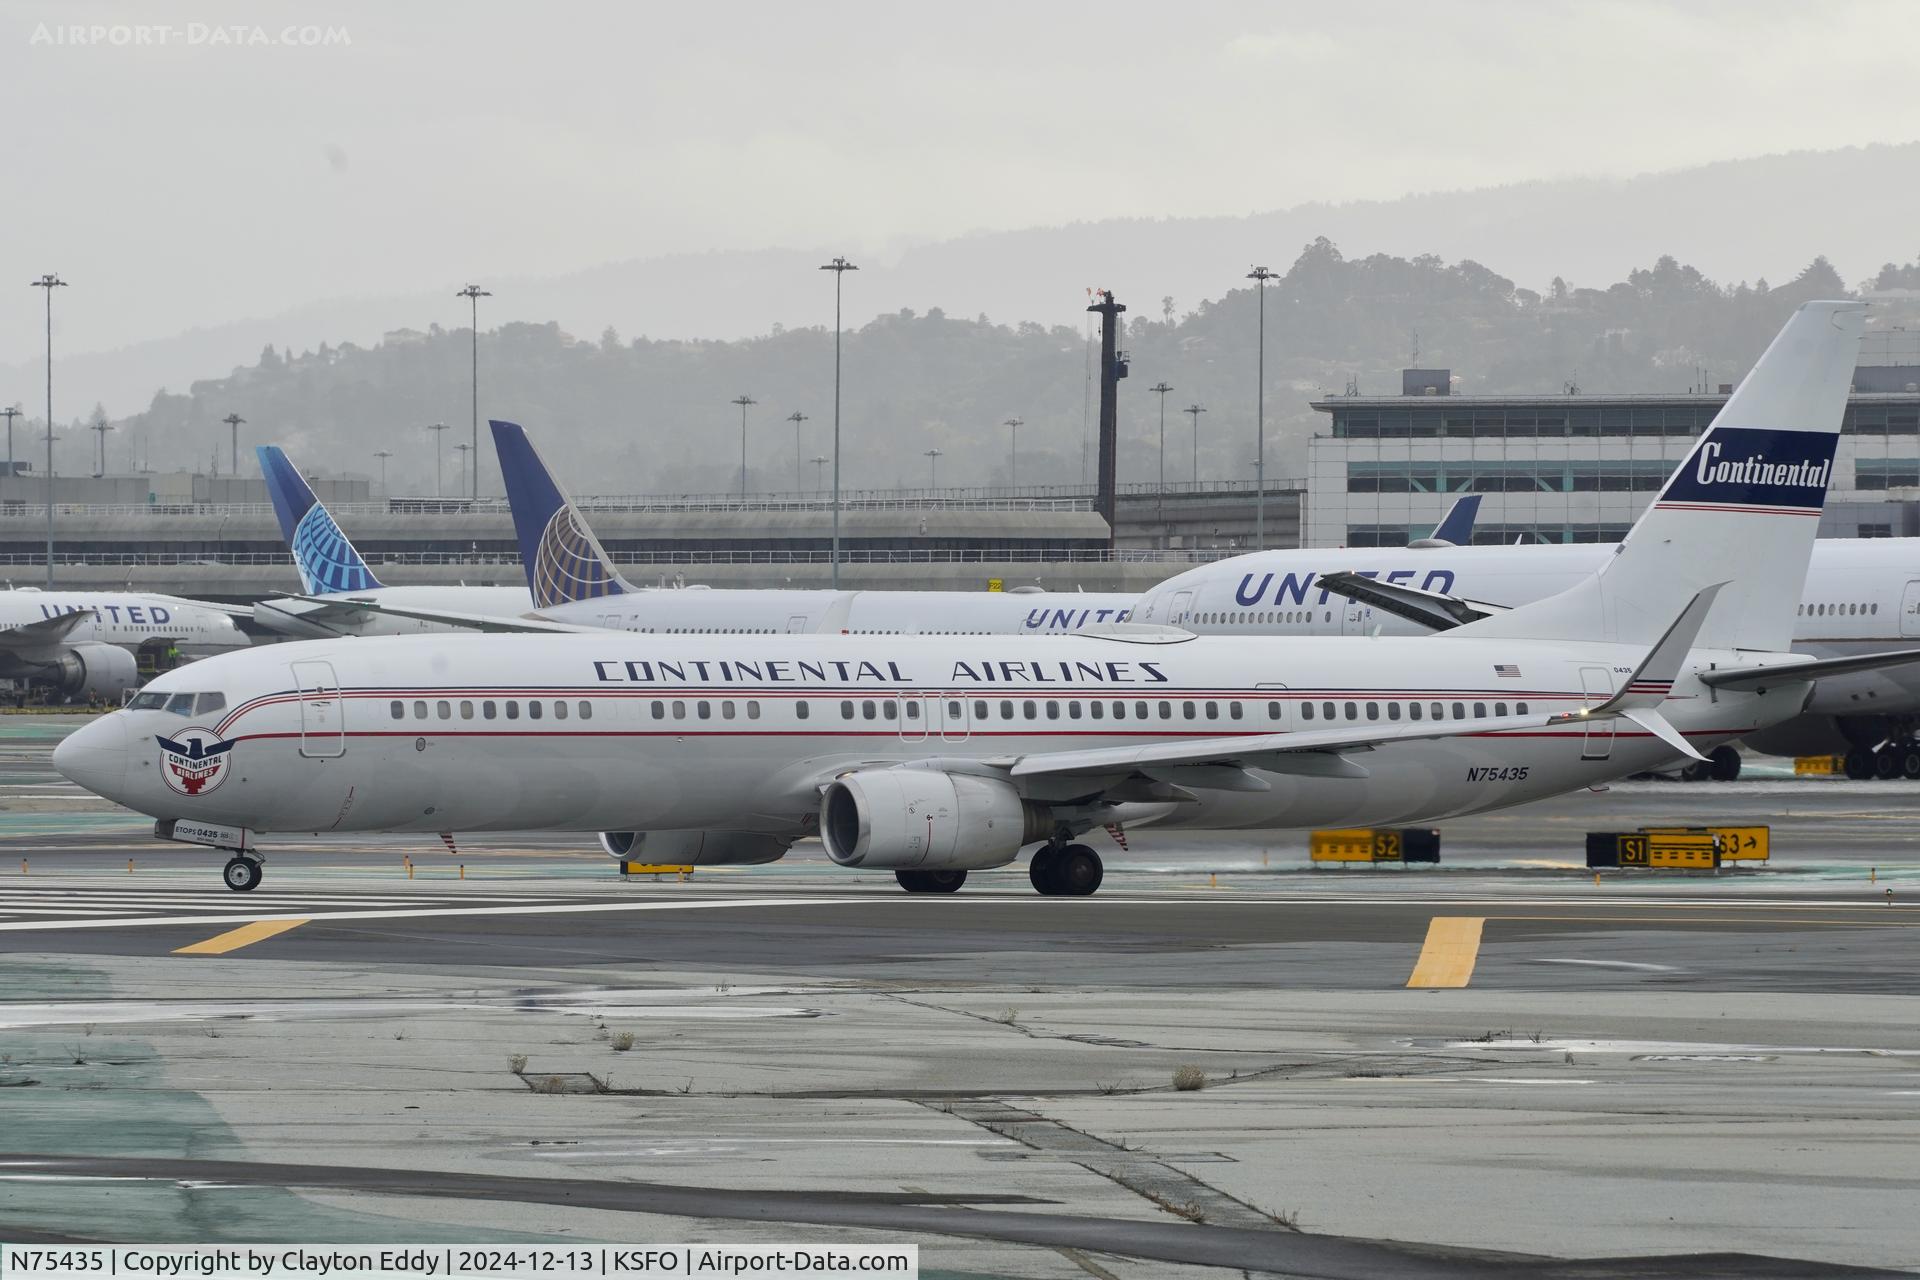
point(243, 872)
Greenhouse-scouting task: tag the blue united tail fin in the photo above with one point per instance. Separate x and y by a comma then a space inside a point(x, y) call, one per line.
point(563, 560)
point(327, 562)
point(1457, 526)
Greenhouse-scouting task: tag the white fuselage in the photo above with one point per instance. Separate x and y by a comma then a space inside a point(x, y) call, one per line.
point(927, 613)
point(1861, 595)
point(127, 620)
point(588, 732)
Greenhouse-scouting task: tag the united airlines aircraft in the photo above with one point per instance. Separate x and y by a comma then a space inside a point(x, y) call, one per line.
point(935, 756)
point(88, 644)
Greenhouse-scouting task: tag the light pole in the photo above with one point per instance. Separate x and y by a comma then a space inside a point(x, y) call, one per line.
point(933, 468)
point(463, 449)
point(11, 412)
point(1195, 410)
point(839, 267)
point(439, 489)
point(1261, 275)
point(743, 400)
point(383, 455)
point(819, 461)
point(473, 293)
point(1013, 452)
point(49, 282)
point(100, 430)
point(799, 480)
point(1163, 386)
point(233, 421)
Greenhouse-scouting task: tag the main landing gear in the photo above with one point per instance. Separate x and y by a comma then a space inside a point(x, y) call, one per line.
point(1066, 870)
point(1898, 759)
point(242, 872)
point(931, 881)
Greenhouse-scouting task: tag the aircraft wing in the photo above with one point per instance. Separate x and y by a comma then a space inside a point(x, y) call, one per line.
point(1427, 608)
point(1222, 763)
point(1808, 669)
point(36, 635)
point(336, 607)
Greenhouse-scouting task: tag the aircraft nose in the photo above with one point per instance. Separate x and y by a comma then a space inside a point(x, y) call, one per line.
point(95, 756)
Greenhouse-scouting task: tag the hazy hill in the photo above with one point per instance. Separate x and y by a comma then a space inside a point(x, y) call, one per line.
point(1740, 219)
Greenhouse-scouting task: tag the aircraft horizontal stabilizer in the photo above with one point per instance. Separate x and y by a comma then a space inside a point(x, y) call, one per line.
point(46, 631)
point(471, 621)
point(1766, 677)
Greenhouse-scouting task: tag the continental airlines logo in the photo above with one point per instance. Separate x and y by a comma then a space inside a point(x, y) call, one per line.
point(327, 561)
point(567, 565)
point(196, 762)
point(1781, 471)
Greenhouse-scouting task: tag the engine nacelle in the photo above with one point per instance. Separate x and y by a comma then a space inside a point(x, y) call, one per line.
point(105, 670)
point(923, 819)
point(695, 848)
point(1820, 735)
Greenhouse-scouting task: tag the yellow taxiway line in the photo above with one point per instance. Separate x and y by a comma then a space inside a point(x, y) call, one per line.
point(1447, 958)
point(234, 939)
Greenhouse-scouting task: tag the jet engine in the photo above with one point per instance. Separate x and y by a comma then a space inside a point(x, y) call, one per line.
point(926, 820)
point(695, 848)
point(104, 670)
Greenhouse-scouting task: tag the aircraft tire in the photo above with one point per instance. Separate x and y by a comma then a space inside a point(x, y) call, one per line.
point(1078, 872)
point(1859, 765)
point(1040, 869)
point(242, 875)
point(1886, 763)
point(1910, 760)
point(931, 881)
point(1725, 764)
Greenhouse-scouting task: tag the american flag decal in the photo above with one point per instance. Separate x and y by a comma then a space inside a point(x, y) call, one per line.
point(1506, 671)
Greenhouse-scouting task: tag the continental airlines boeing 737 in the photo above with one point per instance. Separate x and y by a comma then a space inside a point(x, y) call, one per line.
point(934, 756)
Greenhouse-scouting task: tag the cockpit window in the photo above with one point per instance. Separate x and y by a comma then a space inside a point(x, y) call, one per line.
point(147, 702)
point(207, 703)
point(181, 704)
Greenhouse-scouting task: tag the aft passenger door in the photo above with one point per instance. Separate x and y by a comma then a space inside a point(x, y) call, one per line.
point(1596, 683)
point(1910, 610)
point(322, 733)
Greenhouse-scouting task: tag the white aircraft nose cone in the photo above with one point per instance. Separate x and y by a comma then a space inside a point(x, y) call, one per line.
point(95, 756)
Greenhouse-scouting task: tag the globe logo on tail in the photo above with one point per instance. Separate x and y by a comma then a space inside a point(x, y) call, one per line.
point(569, 564)
point(326, 560)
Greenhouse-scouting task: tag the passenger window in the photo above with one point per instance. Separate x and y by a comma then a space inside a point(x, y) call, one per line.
point(1353, 711)
point(1438, 711)
point(1373, 711)
point(1459, 711)
point(1393, 711)
point(208, 703)
point(703, 709)
point(1519, 708)
point(1479, 708)
point(1142, 710)
point(1030, 709)
point(912, 708)
point(586, 709)
point(1187, 709)
point(659, 710)
point(1413, 710)
point(679, 710)
point(399, 709)
point(420, 710)
point(445, 709)
point(867, 710)
point(726, 710)
point(1119, 711)
point(1073, 709)
point(1233, 710)
point(1006, 709)
point(559, 709)
point(1273, 711)
point(487, 710)
point(513, 709)
point(1053, 710)
point(466, 710)
point(535, 709)
point(801, 710)
point(890, 709)
point(1213, 711)
point(846, 710)
point(753, 710)
point(1326, 711)
point(1499, 708)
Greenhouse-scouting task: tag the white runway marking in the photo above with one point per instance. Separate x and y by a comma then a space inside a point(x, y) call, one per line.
point(1610, 964)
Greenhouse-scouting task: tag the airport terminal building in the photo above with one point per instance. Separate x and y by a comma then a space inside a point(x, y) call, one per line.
point(1572, 467)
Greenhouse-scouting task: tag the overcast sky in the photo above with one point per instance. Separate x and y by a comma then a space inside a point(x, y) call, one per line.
point(211, 177)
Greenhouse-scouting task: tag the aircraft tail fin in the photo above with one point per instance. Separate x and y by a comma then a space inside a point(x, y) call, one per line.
point(1741, 509)
point(563, 560)
point(326, 559)
point(1456, 527)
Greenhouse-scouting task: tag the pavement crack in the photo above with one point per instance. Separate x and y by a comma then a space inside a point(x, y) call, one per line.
point(1173, 1190)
